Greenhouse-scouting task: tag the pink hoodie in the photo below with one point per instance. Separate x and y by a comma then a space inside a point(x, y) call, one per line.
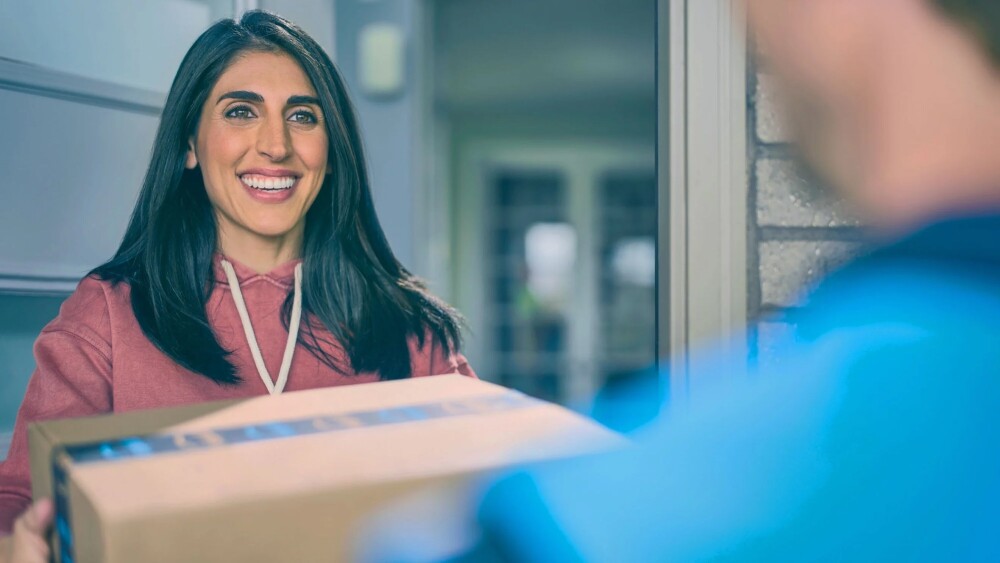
point(93, 359)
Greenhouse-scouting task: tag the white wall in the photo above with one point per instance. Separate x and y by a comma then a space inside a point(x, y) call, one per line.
point(316, 17)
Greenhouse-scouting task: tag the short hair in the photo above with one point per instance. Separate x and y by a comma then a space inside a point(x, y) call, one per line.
point(981, 17)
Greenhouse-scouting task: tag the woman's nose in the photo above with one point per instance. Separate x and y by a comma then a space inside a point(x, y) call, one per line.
point(273, 140)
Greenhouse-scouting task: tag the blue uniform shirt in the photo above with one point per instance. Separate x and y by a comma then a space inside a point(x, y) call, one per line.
point(876, 438)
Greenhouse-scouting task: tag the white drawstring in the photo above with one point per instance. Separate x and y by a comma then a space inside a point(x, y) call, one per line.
point(293, 328)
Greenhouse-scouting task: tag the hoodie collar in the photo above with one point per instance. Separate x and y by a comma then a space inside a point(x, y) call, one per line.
point(283, 274)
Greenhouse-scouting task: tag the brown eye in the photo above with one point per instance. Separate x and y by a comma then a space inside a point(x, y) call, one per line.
point(239, 112)
point(303, 117)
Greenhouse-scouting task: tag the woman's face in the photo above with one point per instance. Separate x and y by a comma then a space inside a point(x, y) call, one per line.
point(262, 148)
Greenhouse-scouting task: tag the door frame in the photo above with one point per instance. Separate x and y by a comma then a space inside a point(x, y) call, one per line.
point(703, 183)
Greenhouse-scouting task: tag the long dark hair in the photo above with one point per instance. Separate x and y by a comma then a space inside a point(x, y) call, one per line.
point(353, 286)
point(982, 17)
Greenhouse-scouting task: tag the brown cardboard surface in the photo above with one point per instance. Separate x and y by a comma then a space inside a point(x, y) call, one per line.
point(43, 437)
point(332, 522)
point(290, 499)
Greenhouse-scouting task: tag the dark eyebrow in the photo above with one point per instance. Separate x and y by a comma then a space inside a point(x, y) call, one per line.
point(303, 100)
point(242, 95)
point(247, 96)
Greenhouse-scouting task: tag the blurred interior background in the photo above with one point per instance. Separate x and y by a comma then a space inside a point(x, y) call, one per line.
point(545, 113)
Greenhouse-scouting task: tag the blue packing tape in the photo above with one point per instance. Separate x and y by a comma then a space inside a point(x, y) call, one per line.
point(133, 447)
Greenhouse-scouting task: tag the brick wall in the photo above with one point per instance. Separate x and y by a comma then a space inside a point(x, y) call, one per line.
point(797, 233)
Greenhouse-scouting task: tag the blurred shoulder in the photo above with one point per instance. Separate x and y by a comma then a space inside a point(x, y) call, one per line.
point(938, 296)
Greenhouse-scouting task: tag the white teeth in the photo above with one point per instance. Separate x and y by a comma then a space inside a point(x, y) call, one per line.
point(268, 183)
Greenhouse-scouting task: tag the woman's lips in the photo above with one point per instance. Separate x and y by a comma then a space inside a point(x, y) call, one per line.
point(269, 189)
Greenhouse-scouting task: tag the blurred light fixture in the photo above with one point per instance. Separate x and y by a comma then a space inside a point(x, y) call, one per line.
point(550, 253)
point(634, 261)
point(381, 55)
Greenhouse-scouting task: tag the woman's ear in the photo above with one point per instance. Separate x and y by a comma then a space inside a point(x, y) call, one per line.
point(190, 159)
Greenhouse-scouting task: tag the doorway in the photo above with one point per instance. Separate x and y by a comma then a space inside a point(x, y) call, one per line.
point(543, 116)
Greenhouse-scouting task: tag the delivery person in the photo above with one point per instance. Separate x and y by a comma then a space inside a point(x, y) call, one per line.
point(254, 262)
point(878, 437)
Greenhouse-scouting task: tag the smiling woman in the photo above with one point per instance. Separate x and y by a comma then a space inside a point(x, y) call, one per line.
point(260, 135)
point(255, 223)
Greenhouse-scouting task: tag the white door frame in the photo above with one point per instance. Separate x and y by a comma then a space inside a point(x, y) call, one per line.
point(703, 181)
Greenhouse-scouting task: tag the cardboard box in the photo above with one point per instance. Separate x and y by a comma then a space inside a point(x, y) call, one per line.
point(287, 478)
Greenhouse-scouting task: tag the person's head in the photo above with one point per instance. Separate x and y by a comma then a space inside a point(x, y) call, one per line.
point(868, 85)
point(219, 126)
point(258, 142)
point(262, 148)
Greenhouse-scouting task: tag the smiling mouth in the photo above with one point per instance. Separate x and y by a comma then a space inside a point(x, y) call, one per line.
point(268, 183)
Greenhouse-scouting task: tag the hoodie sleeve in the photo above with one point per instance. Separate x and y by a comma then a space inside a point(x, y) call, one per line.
point(432, 358)
point(72, 378)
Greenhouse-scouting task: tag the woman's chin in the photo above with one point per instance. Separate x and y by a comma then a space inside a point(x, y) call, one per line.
point(271, 232)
